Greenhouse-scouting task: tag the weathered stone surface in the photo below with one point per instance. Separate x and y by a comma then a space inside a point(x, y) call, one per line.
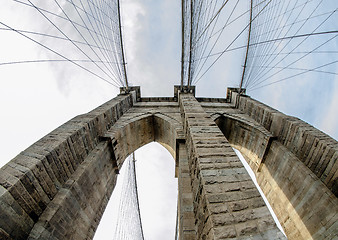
point(36, 175)
point(59, 187)
point(311, 146)
point(81, 200)
point(207, 188)
point(186, 219)
point(289, 174)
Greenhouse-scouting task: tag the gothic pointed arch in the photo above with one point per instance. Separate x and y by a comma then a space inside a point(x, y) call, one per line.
point(133, 132)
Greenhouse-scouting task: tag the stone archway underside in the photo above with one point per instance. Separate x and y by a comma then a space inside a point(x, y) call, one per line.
point(58, 188)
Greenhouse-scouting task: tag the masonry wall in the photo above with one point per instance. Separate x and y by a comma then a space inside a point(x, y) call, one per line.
point(272, 142)
point(226, 201)
point(317, 150)
point(76, 210)
point(185, 201)
point(41, 174)
point(66, 178)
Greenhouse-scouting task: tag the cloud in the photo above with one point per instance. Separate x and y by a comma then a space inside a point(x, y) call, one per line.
point(152, 46)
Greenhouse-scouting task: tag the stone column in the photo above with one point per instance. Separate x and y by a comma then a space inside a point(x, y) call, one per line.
point(226, 201)
point(186, 219)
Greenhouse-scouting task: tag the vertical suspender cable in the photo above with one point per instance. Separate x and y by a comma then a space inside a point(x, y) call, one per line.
point(176, 228)
point(246, 54)
point(121, 43)
point(190, 47)
point(182, 56)
point(136, 193)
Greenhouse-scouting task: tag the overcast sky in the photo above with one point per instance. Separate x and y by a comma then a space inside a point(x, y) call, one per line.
point(37, 98)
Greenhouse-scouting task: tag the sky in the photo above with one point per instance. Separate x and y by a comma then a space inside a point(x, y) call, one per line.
point(37, 98)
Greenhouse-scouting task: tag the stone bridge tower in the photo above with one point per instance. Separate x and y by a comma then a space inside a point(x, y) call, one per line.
point(59, 187)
